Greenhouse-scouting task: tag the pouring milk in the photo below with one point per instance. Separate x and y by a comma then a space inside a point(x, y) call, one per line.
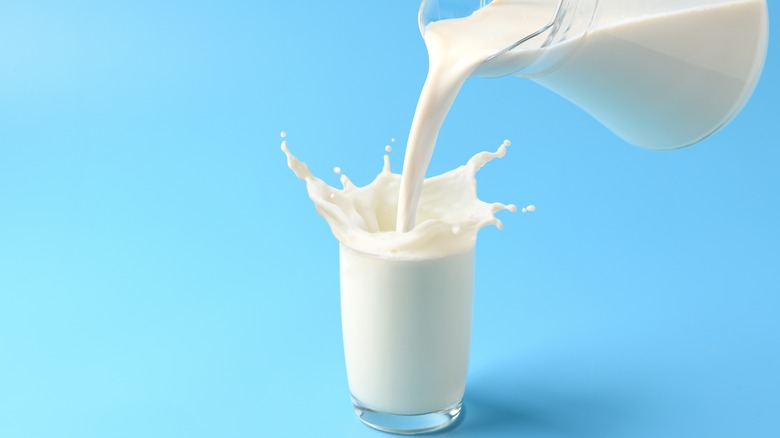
point(664, 79)
point(407, 242)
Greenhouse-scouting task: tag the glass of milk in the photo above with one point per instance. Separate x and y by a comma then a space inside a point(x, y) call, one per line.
point(407, 328)
point(406, 296)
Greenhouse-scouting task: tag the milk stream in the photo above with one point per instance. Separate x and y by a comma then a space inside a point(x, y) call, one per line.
point(363, 218)
point(455, 49)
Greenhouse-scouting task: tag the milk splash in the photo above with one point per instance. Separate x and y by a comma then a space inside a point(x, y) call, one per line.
point(449, 214)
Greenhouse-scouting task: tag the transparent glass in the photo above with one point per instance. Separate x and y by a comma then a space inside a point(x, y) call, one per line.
point(407, 329)
point(661, 74)
point(407, 424)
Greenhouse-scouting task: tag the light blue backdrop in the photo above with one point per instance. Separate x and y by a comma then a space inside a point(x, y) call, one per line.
point(163, 274)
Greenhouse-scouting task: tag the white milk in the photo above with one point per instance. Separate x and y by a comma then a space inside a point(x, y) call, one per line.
point(406, 298)
point(363, 218)
point(407, 243)
point(667, 81)
point(407, 326)
point(455, 49)
point(649, 79)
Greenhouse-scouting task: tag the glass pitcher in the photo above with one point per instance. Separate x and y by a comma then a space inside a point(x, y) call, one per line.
point(661, 74)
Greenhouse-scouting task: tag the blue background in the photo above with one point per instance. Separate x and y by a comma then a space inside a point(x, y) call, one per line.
point(162, 273)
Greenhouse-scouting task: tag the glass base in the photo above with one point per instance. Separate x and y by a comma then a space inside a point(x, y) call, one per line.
point(406, 424)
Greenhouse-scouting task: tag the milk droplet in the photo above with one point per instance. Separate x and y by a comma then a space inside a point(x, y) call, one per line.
point(524, 210)
point(531, 207)
point(284, 145)
point(283, 134)
point(337, 170)
point(507, 143)
point(388, 148)
point(511, 207)
point(393, 140)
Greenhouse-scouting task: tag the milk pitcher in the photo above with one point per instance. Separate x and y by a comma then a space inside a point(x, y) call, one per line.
point(660, 74)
